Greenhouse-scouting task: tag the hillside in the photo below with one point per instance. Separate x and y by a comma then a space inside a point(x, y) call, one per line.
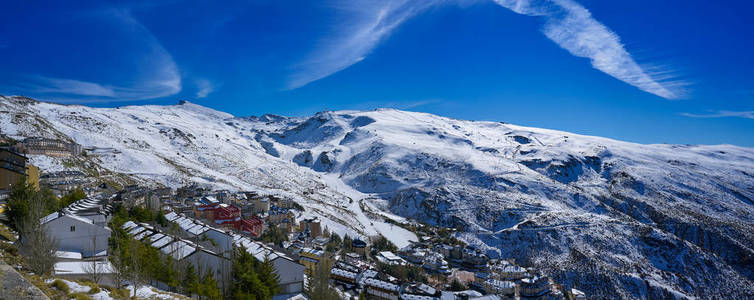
point(617, 219)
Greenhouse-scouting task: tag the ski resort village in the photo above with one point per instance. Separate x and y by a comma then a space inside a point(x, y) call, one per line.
point(76, 230)
point(182, 201)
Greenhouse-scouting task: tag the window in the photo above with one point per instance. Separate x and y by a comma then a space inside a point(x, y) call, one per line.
point(73, 228)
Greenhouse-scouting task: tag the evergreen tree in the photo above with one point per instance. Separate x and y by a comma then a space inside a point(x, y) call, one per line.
point(268, 276)
point(246, 282)
point(318, 286)
point(189, 281)
point(208, 287)
point(73, 196)
point(347, 243)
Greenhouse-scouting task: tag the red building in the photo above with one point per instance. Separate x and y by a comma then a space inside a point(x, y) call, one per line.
point(253, 226)
point(227, 215)
point(206, 210)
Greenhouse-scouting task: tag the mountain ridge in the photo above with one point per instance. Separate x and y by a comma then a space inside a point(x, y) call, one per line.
point(619, 219)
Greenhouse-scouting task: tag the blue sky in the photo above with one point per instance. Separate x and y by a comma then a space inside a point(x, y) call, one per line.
point(643, 71)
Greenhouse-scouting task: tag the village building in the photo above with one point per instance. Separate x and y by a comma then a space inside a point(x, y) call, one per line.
point(310, 258)
point(132, 195)
point(381, 289)
point(359, 246)
point(49, 147)
point(63, 180)
point(390, 258)
point(14, 168)
point(343, 277)
point(77, 234)
point(285, 203)
point(276, 215)
point(535, 286)
point(226, 215)
point(312, 226)
point(434, 262)
point(253, 226)
point(494, 286)
point(320, 242)
point(511, 272)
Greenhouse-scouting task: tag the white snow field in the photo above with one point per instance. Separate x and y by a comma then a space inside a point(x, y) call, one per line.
point(616, 219)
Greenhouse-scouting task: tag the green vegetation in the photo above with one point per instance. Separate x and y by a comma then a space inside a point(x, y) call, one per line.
point(334, 244)
point(404, 273)
point(347, 246)
point(297, 206)
point(61, 286)
point(26, 207)
point(318, 287)
point(22, 196)
point(380, 244)
point(73, 196)
point(274, 235)
point(252, 279)
point(81, 296)
point(457, 286)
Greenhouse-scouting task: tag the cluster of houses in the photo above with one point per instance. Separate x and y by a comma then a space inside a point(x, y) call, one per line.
point(489, 279)
point(209, 248)
point(204, 226)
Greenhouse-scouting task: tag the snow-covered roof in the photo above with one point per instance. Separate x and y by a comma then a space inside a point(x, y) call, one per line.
point(343, 273)
point(179, 249)
point(500, 284)
point(416, 297)
point(136, 230)
point(68, 254)
point(381, 284)
point(53, 216)
point(162, 242)
point(389, 255)
point(143, 234)
point(128, 225)
point(172, 216)
point(198, 229)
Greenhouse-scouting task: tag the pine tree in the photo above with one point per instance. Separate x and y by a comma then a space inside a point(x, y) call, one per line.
point(189, 280)
point(247, 283)
point(208, 287)
point(268, 276)
point(318, 287)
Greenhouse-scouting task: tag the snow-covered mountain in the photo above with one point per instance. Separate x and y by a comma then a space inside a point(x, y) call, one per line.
point(618, 219)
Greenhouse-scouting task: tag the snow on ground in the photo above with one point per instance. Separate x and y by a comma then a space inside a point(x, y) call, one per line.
point(148, 292)
point(539, 196)
point(75, 287)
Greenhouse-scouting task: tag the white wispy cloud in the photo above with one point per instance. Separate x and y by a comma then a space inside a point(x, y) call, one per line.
point(48, 85)
point(204, 87)
point(567, 23)
point(573, 28)
point(366, 23)
point(722, 114)
point(161, 79)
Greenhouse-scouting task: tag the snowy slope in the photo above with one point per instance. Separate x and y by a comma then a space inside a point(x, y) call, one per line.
point(621, 220)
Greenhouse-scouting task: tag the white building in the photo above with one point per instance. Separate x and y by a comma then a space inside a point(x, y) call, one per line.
point(77, 234)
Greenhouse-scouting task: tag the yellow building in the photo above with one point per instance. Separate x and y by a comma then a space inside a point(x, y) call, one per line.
point(310, 258)
point(12, 169)
point(32, 176)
